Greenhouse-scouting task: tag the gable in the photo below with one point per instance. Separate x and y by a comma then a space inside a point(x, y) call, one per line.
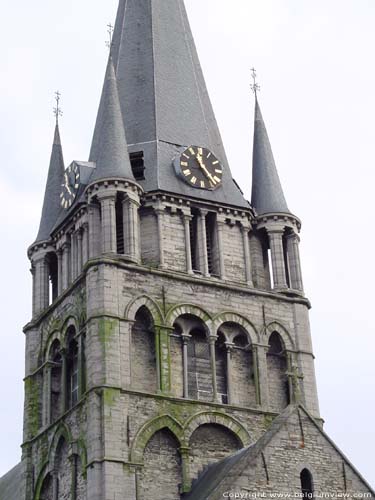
point(273, 465)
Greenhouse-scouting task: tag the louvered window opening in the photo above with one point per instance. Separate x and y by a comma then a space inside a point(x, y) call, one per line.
point(194, 242)
point(199, 370)
point(120, 227)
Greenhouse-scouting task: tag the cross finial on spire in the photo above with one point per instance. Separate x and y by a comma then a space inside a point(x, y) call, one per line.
point(255, 87)
point(110, 33)
point(57, 111)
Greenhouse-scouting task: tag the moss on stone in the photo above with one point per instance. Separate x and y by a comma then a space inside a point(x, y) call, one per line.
point(110, 397)
point(32, 399)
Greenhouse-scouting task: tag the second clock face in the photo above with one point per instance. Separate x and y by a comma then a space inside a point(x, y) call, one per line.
point(200, 168)
point(70, 186)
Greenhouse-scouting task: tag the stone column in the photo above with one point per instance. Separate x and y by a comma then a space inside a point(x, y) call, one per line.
point(66, 265)
point(47, 377)
point(229, 347)
point(165, 371)
point(95, 246)
point(185, 459)
point(246, 250)
point(185, 360)
point(263, 375)
point(278, 259)
point(212, 341)
point(73, 256)
point(294, 262)
point(85, 243)
point(131, 228)
point(64, 387)
point(59, 271)
point(202, 243)
point(41, 297)
point(220, 231)
point(160, 218)
point(81, 367)
point(189, 262)
point(55, 485)
point(32, 271)
point(73, 461)
point(254, 353)
point(79, 251)
point(108, 228)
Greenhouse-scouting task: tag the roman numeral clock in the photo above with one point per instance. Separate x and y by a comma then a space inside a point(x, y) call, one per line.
point(199, 168)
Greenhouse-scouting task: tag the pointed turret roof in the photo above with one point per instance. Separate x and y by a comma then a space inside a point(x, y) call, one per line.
point(163, 96)
point(51, 204)
point(267, 193)
point(109, 150)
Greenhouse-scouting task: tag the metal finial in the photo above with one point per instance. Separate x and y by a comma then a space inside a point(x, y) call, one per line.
point(255, 87)
point(57, 111)
point(110, 31)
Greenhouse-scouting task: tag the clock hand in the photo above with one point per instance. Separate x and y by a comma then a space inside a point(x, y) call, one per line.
point(203, 167)
point(67, 184)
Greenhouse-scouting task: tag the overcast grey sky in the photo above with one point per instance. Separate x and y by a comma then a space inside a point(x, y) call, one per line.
point(315, 61)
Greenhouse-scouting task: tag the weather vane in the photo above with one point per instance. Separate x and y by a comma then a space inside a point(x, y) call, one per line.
point(57, 111)
point(110, 30)
point(255, 87)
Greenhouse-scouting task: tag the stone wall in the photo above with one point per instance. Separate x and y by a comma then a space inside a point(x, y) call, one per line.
point(161, 477)
point(276, 468)
point(209, 444)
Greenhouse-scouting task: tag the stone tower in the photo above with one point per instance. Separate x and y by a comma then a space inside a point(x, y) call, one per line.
point(170, 329)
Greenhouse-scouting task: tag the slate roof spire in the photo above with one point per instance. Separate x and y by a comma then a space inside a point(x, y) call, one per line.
point(109, 148)
point(267, 192)
point(163, 97)
point(51, 204)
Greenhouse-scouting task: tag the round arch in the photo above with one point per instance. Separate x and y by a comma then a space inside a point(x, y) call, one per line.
point(277, 327)
point(149, 429)
point(69, 322)
point(55, 335)
point(144, 301)
point(219, 419)
point(181, 309)
point(45, 470)
point(62, 432)
point(232, 317)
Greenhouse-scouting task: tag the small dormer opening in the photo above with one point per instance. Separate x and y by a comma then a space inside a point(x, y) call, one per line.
point(212, 245)
point(137, 162)
point(307, 485)
point(53, 276)
point(194, 239)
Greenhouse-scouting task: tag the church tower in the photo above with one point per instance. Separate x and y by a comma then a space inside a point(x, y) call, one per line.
point(170, 328)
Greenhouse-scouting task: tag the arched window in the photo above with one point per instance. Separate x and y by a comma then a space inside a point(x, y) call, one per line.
point(56, 381)
point(210, 443)
point(277, 373)
point(46, 492)
point(53, 276)
point(199, 366)
point(72, 367)
point(63, 471)
point(240, 365)
point(307, 485)
point(143, 368)
point(162, 471)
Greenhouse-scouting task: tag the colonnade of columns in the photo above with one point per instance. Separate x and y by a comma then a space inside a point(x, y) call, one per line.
point(104, 225)
point(98, 235)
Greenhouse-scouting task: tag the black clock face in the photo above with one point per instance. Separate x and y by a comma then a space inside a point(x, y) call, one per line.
point(70, 186)
point(200, 168)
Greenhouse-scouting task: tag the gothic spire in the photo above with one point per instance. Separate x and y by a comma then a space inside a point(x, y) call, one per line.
point(51, 204)
point(267, 193)
point(109, 148)
point(163, 97)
